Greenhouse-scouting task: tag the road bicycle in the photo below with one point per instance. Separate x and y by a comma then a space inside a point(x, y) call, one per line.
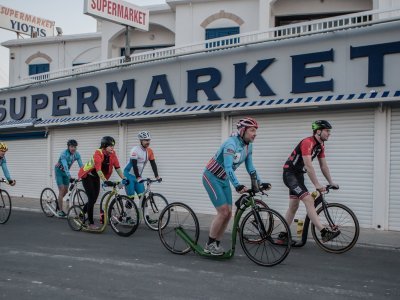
point(49, 200)
point(151, 204)
point(5, 204)
point(258, 232)
point(122, 213)
point(334, 216)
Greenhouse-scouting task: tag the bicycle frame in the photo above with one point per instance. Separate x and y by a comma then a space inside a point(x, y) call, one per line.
point(113, 193)
point(230, 253)
point(319, 200)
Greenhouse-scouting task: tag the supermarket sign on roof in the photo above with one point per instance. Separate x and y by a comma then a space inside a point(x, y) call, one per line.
point(120, 12)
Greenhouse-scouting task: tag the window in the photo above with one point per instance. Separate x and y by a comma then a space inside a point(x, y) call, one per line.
point(38, 68)
point(220, 32)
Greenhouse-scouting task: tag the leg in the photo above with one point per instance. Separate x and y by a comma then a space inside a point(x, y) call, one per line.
point(91, 185)
point(311, 211)
point(220, 194)
point(130, 188)
point(293, 207)
point(62, 191)
point(220, 221)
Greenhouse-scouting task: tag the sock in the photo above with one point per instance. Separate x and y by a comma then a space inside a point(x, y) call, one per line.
point(210, 240)
point(218, 242)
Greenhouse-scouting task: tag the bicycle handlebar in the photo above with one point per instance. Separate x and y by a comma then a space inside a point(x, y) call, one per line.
point(149, 180)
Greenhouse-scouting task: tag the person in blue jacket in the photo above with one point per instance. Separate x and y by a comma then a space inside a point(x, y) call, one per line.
point(220, 170)
point(3, 163)
point(63, 176)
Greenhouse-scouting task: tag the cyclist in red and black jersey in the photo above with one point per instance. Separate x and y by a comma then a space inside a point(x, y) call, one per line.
point(299, 163)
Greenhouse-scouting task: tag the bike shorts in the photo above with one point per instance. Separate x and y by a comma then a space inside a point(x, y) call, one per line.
point(218, 190)
point(295, 183)
point(133, 187)
point(61, 177)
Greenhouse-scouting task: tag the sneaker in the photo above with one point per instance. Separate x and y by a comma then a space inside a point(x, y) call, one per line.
point(213, 249)
point(150, 221)
point(130, 221)
point(61, 214)
point(282, 238)
point(328, 235)
point(93, 227)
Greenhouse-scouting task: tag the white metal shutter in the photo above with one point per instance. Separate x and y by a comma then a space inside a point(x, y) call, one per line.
point(28, 165)
point(88, 138)
point(394, 191)
point(182, 149)
point(349, 154)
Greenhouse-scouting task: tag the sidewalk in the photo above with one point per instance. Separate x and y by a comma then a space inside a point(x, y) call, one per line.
point(368, 237)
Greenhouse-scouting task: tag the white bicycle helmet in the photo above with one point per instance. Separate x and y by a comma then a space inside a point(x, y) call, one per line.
point(144, 135)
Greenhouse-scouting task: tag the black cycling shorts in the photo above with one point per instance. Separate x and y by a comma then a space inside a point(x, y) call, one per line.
point(295, 183)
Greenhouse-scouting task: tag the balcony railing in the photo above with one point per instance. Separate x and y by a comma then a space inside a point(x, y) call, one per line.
point(366, 18)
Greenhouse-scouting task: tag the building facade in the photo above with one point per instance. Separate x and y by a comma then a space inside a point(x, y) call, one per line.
point(327, 60)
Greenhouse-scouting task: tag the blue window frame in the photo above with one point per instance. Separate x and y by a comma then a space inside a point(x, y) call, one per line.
point(220, 32)
point(38, 68)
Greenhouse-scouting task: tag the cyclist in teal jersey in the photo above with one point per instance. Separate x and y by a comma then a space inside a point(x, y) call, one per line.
point(3, 163)
point(63, 176)
point(220, 170)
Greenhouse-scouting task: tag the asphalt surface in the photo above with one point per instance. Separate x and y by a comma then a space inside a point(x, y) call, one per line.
point(42, 258)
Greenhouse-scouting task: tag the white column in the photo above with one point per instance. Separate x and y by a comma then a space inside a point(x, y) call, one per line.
point(50, 167)
point(264, 14)
point(381, 168)
point(122, 140)
point(226, 127)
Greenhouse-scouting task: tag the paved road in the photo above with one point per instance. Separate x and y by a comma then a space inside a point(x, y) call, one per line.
point(41, 258)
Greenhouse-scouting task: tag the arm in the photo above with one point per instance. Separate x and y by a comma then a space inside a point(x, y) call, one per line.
point(311, 171)
point(117, 166)
point(325, 170)
point(5, 170)
point(98, 159)
point(154, 167)
point(229, 153)
point(79, 159)
point(249, 164)
point(135, 168)
point(64, 163)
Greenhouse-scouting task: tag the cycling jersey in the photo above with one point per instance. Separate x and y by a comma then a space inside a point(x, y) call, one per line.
point(3, 164)
point(229, 157)
point(101, 161)
point(142, 156)
point(308, 146)
point(66, 160)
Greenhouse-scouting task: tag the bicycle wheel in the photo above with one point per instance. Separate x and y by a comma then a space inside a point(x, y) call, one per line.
point(152, 206)
point(345, 221)
point(48, 202)
point(80, 198)
point(178, 215)
point(76, 218)
point(264, 248)
point(5, 206)
point(123, 215)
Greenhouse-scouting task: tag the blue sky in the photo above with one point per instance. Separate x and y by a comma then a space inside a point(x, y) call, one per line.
point(68, 14)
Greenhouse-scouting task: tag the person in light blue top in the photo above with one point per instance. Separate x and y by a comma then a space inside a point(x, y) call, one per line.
point(63, 176)
point(3, 163)
point(220, 170)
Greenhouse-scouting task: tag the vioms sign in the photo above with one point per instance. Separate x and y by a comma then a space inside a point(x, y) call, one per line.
point(121, 95)
point(24, 23)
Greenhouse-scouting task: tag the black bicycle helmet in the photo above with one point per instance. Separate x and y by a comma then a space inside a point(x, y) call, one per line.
point(72, 143)
point(321, 124)
point(107, 141)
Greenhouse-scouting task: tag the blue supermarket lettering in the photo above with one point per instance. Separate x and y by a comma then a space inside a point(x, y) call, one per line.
point(26, 28)
point(204, 81)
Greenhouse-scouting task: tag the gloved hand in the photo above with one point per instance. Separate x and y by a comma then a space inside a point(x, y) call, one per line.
point(159, 179)
point(11, 182)
point(265, 186)
point(125, 181)
point(108, 183)
point(241, 189)
point(71, 180)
